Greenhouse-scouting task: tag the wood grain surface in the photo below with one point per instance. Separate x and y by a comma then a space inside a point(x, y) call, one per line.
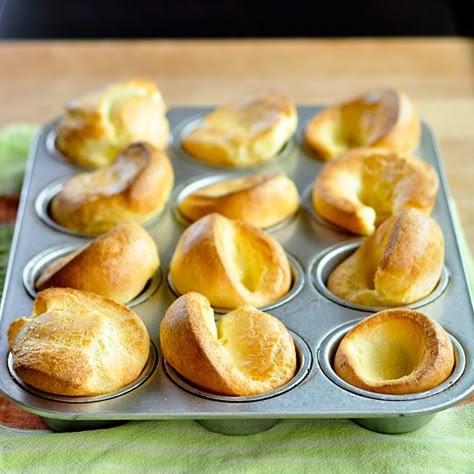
point(38, 78)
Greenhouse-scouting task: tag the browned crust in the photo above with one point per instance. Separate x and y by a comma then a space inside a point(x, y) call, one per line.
point(262, 200)
point(230, 262)
point(79, 344)
point(399, 264)
point(361, 188)
point(116, 265)
point(435, 366)
point(244, 132)
point(140, 199)
point(97, 126)
point(385, 119)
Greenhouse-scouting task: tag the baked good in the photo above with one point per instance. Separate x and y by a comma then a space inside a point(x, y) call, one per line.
point(360, 189)
point(97, 126)
point(383, 119)
point(78, 343)
point(396, 352)
point(262, 199)
point(400, 263)
point(247, 352)
point(230, 262)
point(133, 188)
point(245, 132)
point(117, 264)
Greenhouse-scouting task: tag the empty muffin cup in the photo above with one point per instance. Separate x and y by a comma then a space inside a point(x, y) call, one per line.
point(323, 265)
point(297, 283)
point(35, 267)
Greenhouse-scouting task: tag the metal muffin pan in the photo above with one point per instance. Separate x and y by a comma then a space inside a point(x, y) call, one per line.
point(313, 316)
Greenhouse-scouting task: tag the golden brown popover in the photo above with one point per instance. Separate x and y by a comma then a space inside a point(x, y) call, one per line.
point(97, 126)
point(247, 352)
point(381, 119)
point(262, 200)
point(116, 264)
point(78, 343)
point(395, 352)
point(134, 188)
point(400, 263)
point(230, 262)
point(360, 189)
point(245, 132)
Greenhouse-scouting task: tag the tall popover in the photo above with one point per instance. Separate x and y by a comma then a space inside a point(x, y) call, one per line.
point(78, 343)
point(133, 188)
point(244, 132)
point(361, 188)
point(382, 118)
point(97, 126)
point(230, 262)
point(247, 352)
point(117, 264)
point(400, 263)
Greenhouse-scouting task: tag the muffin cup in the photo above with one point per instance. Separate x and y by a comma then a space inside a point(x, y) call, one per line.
point(37, 265)
point(304, 362)
point(185, 127)
point(150, 366)
point(43, 209)
point(391, 424)
point(322, 266)
point(297, 284)
point(193, 185)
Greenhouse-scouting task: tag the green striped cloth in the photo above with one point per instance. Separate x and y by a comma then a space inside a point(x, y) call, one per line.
point(445, 445)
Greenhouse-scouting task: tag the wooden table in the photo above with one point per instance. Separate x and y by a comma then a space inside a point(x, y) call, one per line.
point(38, 78)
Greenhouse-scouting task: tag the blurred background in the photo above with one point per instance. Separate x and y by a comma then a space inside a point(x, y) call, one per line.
point(50, 19)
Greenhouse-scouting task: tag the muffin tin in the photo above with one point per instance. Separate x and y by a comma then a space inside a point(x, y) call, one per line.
point(316, 319)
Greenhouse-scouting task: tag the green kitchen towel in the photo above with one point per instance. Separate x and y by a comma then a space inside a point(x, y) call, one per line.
point(14, 145)
point(445, 445)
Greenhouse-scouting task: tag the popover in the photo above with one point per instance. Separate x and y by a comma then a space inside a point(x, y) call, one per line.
point(361, 188)
point(247, 352)
point(395, 352)
point(382, 119)
point(134, 188)
point(262, 200)
point(230, 262)
point(244, 132)
point(78, 343)
point(97, 126)
point(116, 264)
point(400, 263)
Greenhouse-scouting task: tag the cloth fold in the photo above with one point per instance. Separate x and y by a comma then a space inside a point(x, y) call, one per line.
point(300, 445)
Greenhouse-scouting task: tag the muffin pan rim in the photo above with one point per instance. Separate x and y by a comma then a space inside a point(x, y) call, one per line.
point(154, 406)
